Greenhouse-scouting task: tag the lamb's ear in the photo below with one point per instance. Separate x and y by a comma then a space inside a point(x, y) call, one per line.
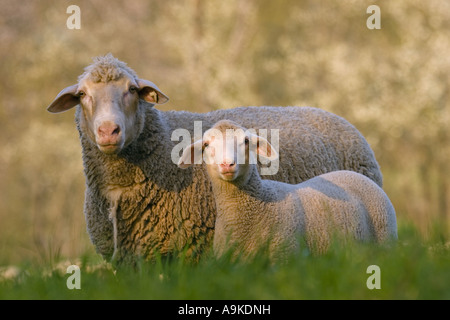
point(192, 154)
point(65, 100)
point(264, 148)
point(150, 92)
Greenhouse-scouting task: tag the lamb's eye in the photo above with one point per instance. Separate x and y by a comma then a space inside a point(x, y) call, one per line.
point(246, 140)
point(81, 94)
point(132, 89)
point(205, 145)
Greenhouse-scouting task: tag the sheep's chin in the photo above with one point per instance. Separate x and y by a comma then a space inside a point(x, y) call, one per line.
point(229, 176)
point(110, 148)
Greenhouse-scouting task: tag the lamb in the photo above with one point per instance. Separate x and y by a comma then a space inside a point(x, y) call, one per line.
point(253, 213)
point(138, 203)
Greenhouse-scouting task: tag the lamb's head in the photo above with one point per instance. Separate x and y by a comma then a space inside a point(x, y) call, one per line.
point(108, 93)
point(229, 151)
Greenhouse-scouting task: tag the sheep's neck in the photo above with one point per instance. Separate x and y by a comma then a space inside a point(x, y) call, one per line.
point(236, 201)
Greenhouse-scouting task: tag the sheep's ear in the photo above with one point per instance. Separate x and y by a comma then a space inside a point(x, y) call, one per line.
point(264, 148)
point(65, 100)
point(192, 154)
point(150, 92)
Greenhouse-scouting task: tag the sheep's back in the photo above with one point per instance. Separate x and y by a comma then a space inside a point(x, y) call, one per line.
point(311, 141)
point(345, 204)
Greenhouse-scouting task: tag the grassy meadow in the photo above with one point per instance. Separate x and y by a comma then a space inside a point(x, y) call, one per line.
point(392, 84)
point(410, 269)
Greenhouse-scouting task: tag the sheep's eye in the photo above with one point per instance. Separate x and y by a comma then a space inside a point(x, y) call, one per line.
point(81, 94)
point(132, 89)
point(205, 145)
point(246, 140)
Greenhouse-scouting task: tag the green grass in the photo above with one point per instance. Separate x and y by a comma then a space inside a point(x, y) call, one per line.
point(412, 269)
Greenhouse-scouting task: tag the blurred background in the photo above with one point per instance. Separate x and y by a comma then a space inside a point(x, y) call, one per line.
point(392, 84)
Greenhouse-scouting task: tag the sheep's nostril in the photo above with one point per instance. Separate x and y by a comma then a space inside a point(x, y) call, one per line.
point(227, 165)
point(109, 130)
point(228, 162)
point(116, 131)
point(108, 134)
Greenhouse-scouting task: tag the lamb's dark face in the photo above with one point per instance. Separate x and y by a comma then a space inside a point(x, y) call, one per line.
point(110, 109)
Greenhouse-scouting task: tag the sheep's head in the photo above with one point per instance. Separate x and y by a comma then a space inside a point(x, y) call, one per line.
point(228, 150)
point(108, 93)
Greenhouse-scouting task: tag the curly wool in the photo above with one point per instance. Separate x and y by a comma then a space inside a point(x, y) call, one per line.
point(107, 68)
